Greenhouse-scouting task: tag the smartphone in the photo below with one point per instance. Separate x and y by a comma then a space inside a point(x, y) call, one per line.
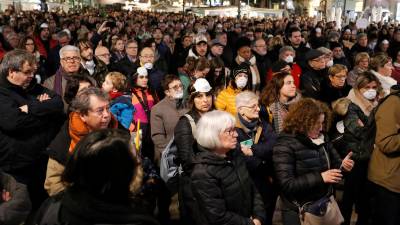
point(247, 143)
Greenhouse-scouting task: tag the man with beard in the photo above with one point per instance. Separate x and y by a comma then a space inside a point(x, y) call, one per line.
point(338, 55)
point(30, 116)
point(200, 48)
point(96, 69)
point(294, 37)
point(130, 62)
point(44, 42)
point(259, 49)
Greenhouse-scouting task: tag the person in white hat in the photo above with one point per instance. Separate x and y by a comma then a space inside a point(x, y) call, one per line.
point(200, 47)
point(201, 101)
point(43, 41)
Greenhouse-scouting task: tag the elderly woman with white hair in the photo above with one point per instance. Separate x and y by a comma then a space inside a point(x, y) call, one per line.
point(221, 183)
point(257, 137)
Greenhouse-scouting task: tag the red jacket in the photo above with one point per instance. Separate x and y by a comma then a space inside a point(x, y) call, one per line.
point(396, 72)
point(296, 73)
point(40, 45)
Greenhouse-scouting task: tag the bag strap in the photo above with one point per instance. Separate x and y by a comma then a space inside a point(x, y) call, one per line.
point(258, 134)
point(192, 123)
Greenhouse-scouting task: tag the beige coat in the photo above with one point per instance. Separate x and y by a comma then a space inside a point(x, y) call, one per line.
point(384, 166)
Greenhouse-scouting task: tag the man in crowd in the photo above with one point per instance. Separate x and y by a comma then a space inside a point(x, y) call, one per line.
point(96, 69)
point(294, 37)
point(310, 81)
point(130, 62)
point(30, 116)
point(259, 50)
point(63, 38)
point(155, 75)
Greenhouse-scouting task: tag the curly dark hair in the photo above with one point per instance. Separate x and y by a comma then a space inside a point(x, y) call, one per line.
point(303, 116)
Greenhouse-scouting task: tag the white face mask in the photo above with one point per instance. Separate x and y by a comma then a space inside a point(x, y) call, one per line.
point(289, 59)
point(178, 95)
point(370, 94)
point(329, 63)
point(241, 82)
point(148, 66)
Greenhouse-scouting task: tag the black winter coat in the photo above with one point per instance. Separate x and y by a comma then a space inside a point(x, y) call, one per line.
point(310, 83)
point(25, 136)
point(353, 132)
point(298, 164)
point(261, 161)
point(126, 67)
point(224, 190)
point(330, 94)
point(185, 142)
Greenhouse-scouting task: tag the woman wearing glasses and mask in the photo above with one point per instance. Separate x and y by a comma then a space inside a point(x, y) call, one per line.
point(256, 137)
point(220, 181)
point(200, 102)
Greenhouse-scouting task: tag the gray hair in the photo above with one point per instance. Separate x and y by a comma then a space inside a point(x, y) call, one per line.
point(14, 60)
point(286, 49)
point(81, 102)
point(324, 50)
point(62, 34)
point(243, 98)
point(69, 48)
point(210, 126)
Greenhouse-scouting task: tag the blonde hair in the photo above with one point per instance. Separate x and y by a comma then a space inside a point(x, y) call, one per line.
point(118, 80)
point(361, 56)
point(335, 69)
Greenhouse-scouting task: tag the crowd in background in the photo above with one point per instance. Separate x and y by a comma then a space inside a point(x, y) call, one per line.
point(262, 112)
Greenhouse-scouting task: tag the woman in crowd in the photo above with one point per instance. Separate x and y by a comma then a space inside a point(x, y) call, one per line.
point(143, 100)
point(239, 82)
point(194, 69)
point(27, 43)
point(221, 183)
point(218, 75)
point(305, 162)
point(334, 86)
point(200, 101)
point(117, 50)
point(364, 98)
point(276, 98)
point(381, 66)
point(96, 193)
point(257, 137)
point(361, 65)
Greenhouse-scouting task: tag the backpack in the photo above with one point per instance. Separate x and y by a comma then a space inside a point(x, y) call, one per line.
point(169, 168)
point(367, 142)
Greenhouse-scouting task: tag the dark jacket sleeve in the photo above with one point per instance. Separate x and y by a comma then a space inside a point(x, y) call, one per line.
point(285, 169)
point(258, 205)
point(350, 122)
point(18, 207)
point(47, 107)
point(12, 118)
point(263, 149)
point(211, 201)
point(307, 86)
point(184, 141)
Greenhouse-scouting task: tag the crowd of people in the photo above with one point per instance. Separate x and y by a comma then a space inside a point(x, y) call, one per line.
point(263, 113)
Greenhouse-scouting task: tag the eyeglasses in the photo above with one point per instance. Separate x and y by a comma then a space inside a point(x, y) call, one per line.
point(230, 131)
point(100, 111)
point(177, 87)
point(71, 59)
point(253, 107)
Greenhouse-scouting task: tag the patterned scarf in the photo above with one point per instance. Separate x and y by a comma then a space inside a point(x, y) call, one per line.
point(279, 112)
